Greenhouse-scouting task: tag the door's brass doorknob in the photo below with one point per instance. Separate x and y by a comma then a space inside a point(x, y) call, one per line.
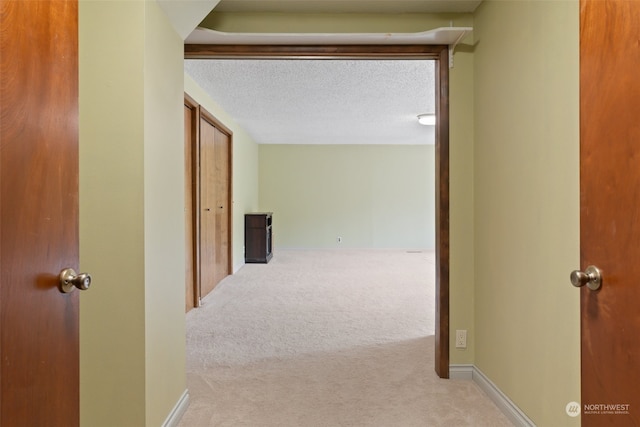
point(69, 280)
point(591, 276)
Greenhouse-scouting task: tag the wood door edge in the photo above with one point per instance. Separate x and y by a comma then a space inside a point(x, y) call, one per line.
point(195, 196)
point(231, 207)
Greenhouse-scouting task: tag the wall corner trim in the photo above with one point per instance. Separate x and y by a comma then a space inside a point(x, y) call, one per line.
point(506, 405)
point(178, 411)
point(237, 267)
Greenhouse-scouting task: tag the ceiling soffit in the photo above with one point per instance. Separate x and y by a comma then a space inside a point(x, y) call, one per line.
point(350, 6)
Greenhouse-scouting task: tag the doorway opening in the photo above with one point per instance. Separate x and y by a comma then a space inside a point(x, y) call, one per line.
point(437, 53)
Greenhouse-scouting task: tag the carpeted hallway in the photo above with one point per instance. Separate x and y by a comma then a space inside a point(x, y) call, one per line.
point(325, 338)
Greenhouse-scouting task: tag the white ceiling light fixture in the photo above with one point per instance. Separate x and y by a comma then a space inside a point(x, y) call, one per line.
point(427, 119)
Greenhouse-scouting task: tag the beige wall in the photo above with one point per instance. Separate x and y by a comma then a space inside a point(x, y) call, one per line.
point(372, 196)
point(112, 330)
point(164, 228)
point(245, 167)
point(331, 22)
point(527, 203)
point(132, 346)
point(461, 208)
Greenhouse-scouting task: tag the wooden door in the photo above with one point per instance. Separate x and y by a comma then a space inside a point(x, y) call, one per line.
point(207, 207)
point(215, 191)
point(39, 343)
point(222, 206)
point(610, 210)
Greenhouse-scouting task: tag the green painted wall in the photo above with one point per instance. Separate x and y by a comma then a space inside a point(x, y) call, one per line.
point(527, 203)
point(132, 331)
point(372, 196)
point(164, 228)
point(112, 327)
point(461, 207)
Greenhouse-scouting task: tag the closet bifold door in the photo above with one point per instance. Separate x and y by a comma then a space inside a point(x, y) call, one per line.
point(215, 213)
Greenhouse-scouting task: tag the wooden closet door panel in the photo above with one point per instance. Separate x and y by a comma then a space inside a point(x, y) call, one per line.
point(215, 203)
point(222, 142)
point(208, 208)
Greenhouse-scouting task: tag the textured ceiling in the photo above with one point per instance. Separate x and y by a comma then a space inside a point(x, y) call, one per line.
point(323, 101)
point(348, 6)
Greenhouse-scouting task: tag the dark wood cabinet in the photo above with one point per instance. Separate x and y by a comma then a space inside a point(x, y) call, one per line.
point(258, 237)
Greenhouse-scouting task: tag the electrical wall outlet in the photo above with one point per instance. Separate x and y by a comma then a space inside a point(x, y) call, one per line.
point(461, 338)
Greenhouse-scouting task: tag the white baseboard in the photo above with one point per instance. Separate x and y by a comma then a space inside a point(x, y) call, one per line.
point(506, 405)
point(461, 372)
point(178, 411)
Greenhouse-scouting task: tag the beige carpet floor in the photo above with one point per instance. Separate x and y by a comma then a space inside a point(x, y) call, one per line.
point(325, 338)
